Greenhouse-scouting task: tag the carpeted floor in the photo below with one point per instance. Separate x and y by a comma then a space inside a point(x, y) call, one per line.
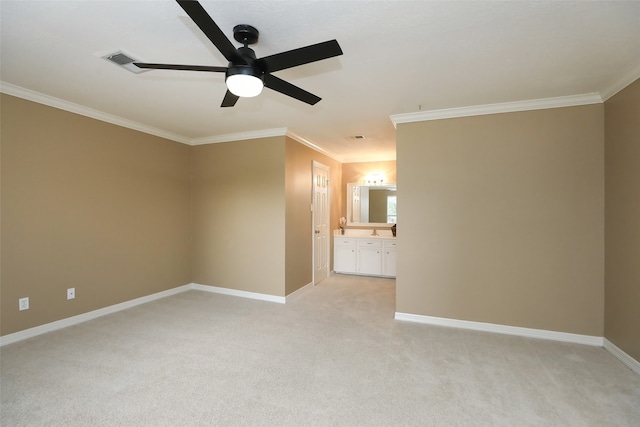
point(334, 356)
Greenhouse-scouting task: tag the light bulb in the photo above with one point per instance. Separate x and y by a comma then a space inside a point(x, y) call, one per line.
point(244, 85)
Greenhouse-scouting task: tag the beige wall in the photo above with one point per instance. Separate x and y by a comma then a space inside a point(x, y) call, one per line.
point(505, 213)
point(622, 185)
point(501, 219)
point(120, 214)
point(251, 217)
point(238, 209)
point(299, 227)
point(356, 173)
point(89, 205)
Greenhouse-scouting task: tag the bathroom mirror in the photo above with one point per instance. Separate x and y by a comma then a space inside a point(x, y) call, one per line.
point(373, 206)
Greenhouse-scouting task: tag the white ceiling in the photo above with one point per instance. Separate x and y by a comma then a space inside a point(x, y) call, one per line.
point(399, 57)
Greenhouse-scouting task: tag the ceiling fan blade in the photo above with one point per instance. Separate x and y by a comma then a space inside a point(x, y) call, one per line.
point(300, 56)
point(286, 88)
point(210, 29)
point(181, 67)
point(229, 99)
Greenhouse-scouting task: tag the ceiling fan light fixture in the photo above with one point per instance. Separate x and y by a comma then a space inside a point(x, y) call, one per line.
point(244, 81)
point(245, 74)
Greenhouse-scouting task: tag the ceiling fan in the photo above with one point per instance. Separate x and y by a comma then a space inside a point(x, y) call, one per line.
point(246, 75)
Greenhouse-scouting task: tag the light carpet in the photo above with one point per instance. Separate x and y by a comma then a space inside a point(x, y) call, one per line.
point(334, 356)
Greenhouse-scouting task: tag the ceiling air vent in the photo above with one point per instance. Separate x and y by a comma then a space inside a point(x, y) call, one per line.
point(125, 61)
point(355, 137)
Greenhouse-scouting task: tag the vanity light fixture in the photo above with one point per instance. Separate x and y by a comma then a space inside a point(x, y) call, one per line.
point(375, 178)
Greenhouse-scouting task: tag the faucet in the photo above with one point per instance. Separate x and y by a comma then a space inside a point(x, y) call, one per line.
point(375, 233)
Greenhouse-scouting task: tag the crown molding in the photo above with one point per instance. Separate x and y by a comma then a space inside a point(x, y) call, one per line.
point(313, 146)
point(504, 107)
point(265, 133)
point(51, 101)
point(621, 83)
point(239, 136)
point(368, 158)
point(71, 107)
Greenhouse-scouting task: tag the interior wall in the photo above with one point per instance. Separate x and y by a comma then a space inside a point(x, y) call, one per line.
point(238, 208)
point(89, 205)
point(356, 173)
point(97, 207)
point(82, 198)
point(504, 219)
point(622, 249)
point(298, 216)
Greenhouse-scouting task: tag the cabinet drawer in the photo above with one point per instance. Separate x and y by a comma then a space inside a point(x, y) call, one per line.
point(370, 243)
point(389, 243)
point(344, 241)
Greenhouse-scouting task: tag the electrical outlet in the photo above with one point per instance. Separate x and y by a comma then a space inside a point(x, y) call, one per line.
point(23, 304)
point(71, 293)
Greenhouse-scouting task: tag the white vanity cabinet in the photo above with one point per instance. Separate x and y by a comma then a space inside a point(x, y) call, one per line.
point(345, 255)
point(389, 257)
point(373, 256)
point(370, 257)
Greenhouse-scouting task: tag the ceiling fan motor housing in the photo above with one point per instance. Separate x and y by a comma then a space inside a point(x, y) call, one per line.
point(243, 77)
point(246, 55)
point(247, 67)
point(247, 70)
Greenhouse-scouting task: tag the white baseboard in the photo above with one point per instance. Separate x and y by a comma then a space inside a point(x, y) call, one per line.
point(296, 294)
point(70, 321)
point(74, 320)
point(632, 363)
point(502, 329)
point(237, 293)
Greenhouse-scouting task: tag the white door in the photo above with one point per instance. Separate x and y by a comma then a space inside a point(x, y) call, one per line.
point(320, 222)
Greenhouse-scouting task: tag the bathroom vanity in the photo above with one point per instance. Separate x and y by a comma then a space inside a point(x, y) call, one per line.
point(358, 252)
